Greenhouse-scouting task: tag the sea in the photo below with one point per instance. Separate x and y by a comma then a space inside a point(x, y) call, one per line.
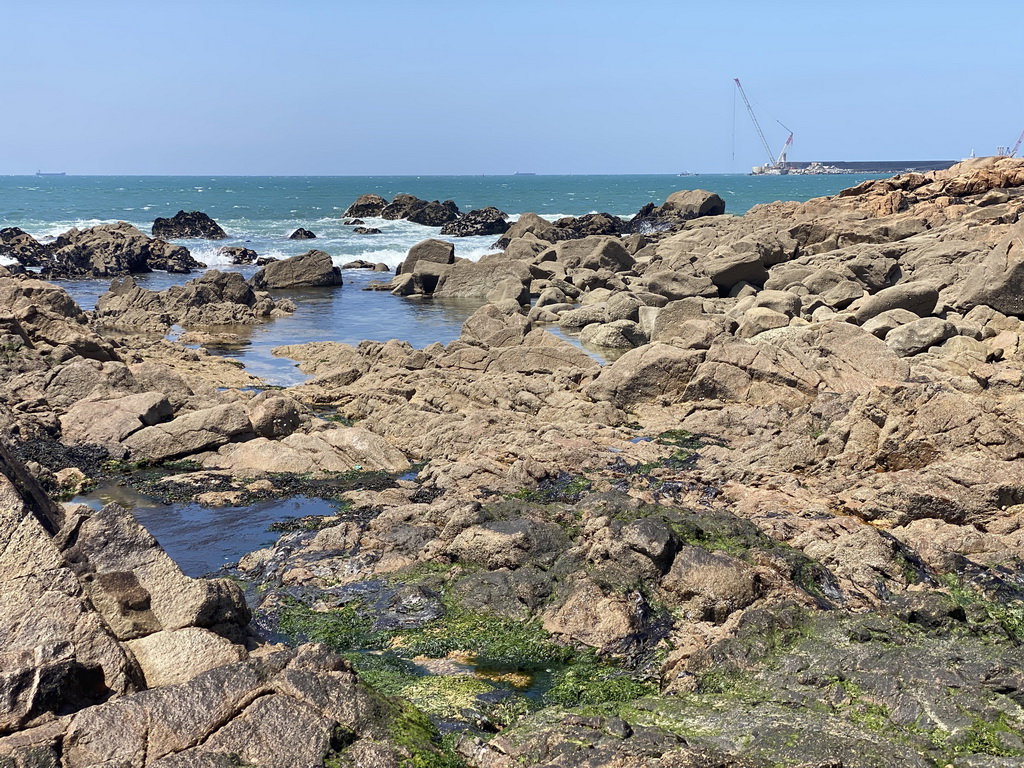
point(259, 212)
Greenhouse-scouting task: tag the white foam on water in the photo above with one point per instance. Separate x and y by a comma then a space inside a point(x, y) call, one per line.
point(6, 261)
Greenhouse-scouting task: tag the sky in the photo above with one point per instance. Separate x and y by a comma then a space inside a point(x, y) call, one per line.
point(403, 87)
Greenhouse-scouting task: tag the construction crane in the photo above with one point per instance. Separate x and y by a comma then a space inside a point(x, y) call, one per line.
point(1017, 145)
point(774, 165)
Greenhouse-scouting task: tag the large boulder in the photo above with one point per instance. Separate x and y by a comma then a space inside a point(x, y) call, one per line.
point(573, 227)
point(998, 281)
point(114, 250)
point(215, 298)
point(108, 422)
point(429, 213)
point(37, 315)
point(57, 655)
point(485, 280)
point(432, 250)
point(917, 297)
point(677, 209)
point(21, 246)
point(302, 234)
point(596, 253)
point(482, 221)
point(193, 224)
point(647, 373)
point(710, 585)
point(190, 433)
point(310, 269)
point(365, 206)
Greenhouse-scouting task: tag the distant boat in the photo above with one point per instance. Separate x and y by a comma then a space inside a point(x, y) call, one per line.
point(687, 173)
point(40, 173)
point(523, 173)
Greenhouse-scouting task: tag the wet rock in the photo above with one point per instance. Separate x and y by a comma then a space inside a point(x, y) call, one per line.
point(366, 231)
point(365, 206)
point(482, 221)
point(711, 584)
point(110, 250)
point(589, 224)
point(428, 213)
point(677, 209)
point(302, 234)
point(215, 298)
point(237, 254)
point(194, 224)
point(17, 244)
point(310, 269)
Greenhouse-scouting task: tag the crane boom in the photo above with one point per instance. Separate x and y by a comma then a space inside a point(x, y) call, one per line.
point(1017, 145)
point(757, 125)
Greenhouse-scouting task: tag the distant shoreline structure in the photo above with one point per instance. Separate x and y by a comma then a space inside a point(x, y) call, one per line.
point(57, 173)
point(524, 173)
point(864, 166)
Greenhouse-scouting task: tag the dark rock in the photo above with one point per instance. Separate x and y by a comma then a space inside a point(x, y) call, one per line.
point(359, 264)
point(483, 221)
point(301, 234)
point(352, 222)
point(430, 214)
point(366, 231)
point(313, 268)
point(112, 250)
point(365, 205)
point(18, 244)
point(262, 261)
point(591, 224)
point(183, 225)
point(238, 254)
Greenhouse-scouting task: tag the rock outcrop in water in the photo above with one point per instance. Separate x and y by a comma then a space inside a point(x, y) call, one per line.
point(17, 244)
point(193, 224)
point(310, 269)
point(113, 250)
point(215, 298)
point(483, 221)
point(785, 527)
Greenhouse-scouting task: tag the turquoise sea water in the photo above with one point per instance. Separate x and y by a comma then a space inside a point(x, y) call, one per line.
point(259, 212)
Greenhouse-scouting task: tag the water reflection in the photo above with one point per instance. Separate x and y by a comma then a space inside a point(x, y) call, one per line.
point(202, 539)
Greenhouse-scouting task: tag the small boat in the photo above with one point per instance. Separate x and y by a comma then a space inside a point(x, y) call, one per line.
point(523, 173)
point(41, 173)
point(687, 173)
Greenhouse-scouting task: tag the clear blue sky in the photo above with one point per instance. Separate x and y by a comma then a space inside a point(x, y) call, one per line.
point(469, 87)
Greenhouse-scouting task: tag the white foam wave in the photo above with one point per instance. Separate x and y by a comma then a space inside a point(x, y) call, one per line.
point(6, 261)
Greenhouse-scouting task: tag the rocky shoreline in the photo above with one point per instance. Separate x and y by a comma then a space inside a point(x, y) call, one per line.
point(783, 527)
